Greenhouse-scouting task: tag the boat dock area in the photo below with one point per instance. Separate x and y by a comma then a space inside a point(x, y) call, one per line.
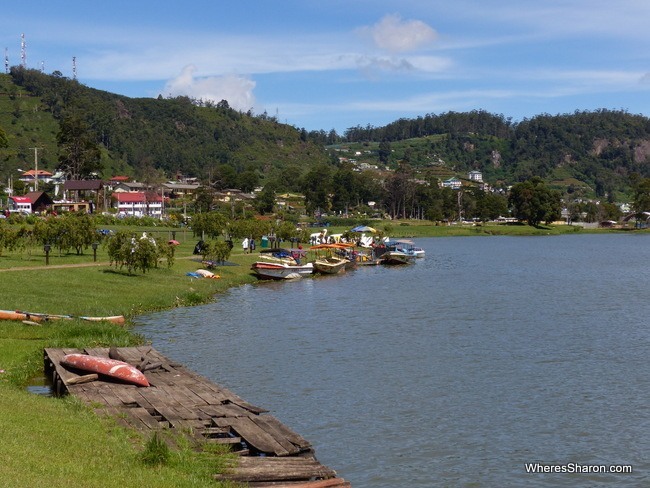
point(180, 401)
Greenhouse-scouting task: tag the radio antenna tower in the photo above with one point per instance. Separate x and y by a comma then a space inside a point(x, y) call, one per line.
point(23, 51)
point(74, 67)
point(42, 66)
point(6, 61)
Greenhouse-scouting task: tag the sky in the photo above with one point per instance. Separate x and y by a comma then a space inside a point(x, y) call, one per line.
point(334, 64)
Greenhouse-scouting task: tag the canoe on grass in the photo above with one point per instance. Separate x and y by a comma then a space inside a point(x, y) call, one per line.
point(105, 366)
point(44, 317)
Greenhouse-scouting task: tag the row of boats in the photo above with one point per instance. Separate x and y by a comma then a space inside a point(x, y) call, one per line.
point(279, 263)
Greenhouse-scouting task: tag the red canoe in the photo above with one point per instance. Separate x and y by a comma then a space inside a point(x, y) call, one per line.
point(44, 317)
point(106, 366)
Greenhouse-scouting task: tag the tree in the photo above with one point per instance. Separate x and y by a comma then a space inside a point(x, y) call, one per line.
point(641, 202)
point(265, 200)
point(4, 142)
point(216, 251)
point(79, 153)
point(209, 224)
point(532, 201)
point(134, 253)
point(384, 151)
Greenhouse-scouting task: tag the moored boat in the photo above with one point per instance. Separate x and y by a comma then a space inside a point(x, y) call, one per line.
point(398, 252)
point(281, 271)
point(331, 258)
point(330, 264)
point(419, 252)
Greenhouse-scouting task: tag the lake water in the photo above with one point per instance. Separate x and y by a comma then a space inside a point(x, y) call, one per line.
point(490, 353)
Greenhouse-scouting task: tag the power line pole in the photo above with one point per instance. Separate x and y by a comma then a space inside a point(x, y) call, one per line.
point(23, 51)
point(36, 166)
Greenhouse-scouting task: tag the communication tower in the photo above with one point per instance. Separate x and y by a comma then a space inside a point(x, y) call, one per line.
point(74, 67)
point(6, 61)
point(23, 51)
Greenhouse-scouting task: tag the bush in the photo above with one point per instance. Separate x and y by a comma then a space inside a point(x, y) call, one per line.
point(137, 253)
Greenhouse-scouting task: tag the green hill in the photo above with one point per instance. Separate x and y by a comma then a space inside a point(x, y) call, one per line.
point(136, 135)
point(596, 151)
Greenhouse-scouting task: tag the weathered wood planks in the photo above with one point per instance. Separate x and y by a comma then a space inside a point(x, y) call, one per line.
point(268, 469)
point(180, 400)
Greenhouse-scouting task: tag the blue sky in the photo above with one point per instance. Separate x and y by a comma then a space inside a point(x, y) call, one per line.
point(337, 64)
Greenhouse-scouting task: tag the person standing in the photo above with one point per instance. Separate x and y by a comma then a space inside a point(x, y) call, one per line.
point(244, 245)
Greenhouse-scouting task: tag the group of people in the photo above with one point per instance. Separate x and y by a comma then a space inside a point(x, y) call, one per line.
point(248, 244)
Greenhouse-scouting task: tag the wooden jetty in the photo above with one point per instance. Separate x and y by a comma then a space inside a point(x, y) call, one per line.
point(183, 402)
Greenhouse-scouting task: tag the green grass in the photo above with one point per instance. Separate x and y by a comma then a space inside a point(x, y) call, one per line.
point(52, 442)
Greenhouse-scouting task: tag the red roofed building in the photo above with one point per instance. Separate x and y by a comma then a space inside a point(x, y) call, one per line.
point(36, 201)
point(139, 204)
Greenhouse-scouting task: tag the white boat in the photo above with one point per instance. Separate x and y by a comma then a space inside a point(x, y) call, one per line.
point(281, 271)
point(398, 252)
point(419, 252)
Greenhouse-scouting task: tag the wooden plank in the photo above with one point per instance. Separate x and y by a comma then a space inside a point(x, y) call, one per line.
point(274, 427)
point(253, 435)
point(143, 415)
point(227, 410)
point(277, 434)
point(252, 469)
point(330, 483)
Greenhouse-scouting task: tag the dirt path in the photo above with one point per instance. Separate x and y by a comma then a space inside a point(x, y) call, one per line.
point(75, 265)
point(54, 266)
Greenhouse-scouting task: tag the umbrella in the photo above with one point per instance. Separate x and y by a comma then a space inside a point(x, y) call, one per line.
point(363, 228)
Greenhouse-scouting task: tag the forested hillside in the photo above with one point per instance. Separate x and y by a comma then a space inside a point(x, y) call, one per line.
point(598, 150)
point(143, 136)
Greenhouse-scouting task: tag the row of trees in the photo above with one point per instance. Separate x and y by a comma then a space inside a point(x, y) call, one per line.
point(65, 233)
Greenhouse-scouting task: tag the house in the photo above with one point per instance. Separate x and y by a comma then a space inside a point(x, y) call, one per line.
point(180, 190)
point(76, 190)
point(32, 175)
point(453, 183)
point(36, 201)
point(19, 204)
point(129, 186)
point(475, 176)
point(138, 204)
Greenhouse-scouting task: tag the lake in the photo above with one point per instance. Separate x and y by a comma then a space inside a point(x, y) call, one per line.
point(488, 354)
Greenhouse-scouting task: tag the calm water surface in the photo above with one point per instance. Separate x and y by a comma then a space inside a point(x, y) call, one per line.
point(490, 353)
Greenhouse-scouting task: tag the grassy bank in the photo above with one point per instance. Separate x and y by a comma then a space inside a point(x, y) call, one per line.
point(51, 442)
point(47, 441)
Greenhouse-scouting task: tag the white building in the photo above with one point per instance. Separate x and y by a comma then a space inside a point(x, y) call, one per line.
point(139, 204)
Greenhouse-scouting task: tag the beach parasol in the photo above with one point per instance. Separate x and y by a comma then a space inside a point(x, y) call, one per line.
point(364, 228)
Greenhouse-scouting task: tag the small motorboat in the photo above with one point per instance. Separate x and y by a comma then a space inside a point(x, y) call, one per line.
point(281, 271)
point(398, 252)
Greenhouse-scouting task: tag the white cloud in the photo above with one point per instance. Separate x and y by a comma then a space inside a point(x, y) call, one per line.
point(237, 90)
point(393, 34)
